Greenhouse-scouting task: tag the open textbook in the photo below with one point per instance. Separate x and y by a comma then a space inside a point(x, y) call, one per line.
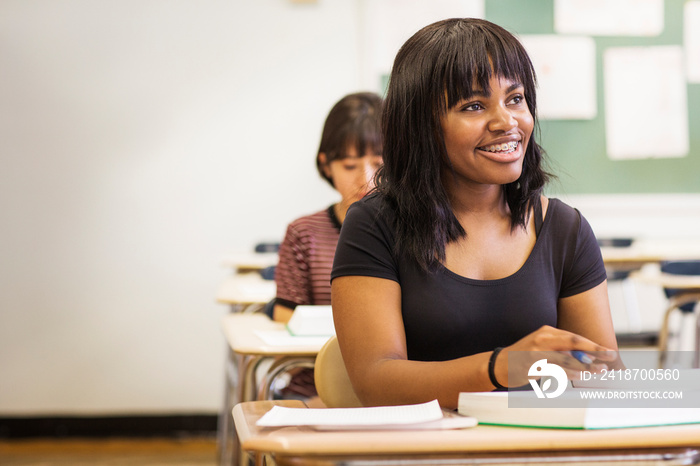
point(414, 417)
point(572, 412)
point(311, 321)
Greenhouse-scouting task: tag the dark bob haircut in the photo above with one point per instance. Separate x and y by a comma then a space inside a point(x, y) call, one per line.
point(354, 121)
point(437, 67)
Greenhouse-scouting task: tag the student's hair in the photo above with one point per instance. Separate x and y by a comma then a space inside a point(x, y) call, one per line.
point(354, 121)
point(436, 68)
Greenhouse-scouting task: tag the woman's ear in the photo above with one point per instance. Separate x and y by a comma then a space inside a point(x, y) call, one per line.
point(323, 163)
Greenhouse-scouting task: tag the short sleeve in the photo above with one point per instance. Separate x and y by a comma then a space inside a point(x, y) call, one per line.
point(366, 243)
point(586, 270)
point(292, 275)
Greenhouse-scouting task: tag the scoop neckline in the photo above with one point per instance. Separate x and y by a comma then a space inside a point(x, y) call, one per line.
point(514, 275)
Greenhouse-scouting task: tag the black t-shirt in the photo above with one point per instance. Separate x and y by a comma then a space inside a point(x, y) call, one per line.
point(447, 316)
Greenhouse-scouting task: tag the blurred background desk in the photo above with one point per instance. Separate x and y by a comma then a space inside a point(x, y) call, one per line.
point(251, 285)
point(647, 250)
point(638, 321)
point(254, 363)
point(684, 295)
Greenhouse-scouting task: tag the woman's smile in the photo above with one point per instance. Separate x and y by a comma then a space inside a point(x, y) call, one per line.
point(504, 152)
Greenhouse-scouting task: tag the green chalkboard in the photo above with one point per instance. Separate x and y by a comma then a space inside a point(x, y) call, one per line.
point(576, 148)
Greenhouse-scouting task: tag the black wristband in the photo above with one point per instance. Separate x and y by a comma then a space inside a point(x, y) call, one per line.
point(492, 365)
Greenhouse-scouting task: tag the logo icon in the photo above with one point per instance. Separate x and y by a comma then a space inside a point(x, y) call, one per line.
point(546, 372)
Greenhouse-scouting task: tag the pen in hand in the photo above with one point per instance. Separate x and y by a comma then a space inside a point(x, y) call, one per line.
point(581, 356)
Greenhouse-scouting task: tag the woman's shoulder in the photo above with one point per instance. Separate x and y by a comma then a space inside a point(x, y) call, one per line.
point(565, 218)
point(561, 210)
point(374, 205)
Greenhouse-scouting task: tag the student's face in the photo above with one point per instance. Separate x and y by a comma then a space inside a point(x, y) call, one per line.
point(486, 136)
point(353, 175)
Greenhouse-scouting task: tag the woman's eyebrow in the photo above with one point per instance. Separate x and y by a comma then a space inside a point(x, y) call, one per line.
point(513, 87)
point(483, 93)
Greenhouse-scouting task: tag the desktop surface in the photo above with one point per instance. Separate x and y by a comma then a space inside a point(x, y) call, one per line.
point(301, 444)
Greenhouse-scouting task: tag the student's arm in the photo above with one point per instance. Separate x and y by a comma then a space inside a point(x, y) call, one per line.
point(282, 313)
point(588, 314)
point(367, 316)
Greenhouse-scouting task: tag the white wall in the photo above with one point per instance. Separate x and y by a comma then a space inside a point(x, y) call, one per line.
point(140, 141)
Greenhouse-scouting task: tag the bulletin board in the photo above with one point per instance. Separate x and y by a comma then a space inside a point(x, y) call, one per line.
point(576, 148)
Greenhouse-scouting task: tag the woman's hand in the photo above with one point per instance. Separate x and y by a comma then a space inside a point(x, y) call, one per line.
point(555, 345)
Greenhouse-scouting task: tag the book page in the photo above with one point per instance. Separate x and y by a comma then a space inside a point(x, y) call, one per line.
point(312, 320)
point(284, 338)
point(424, 415)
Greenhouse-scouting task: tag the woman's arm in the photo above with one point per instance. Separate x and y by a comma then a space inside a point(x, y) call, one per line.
point(368, 322)
point(367, 316)
point(282, 313)
point(588, 314)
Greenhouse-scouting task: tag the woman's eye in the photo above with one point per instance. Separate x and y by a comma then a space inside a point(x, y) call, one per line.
point(518, 99)
point(472, 107)
point(349, 167)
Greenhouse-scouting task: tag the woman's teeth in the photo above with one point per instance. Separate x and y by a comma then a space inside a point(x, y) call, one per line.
point(505, 147)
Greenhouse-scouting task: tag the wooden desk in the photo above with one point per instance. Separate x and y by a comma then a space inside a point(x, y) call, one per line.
point(246, 292)
point(247, 350)
point(645, 251)
point(479, 445)
point(688, 287)
point(247, 262)
point(621, 261)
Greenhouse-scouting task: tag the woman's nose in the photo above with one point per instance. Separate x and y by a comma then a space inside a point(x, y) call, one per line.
point(502, 119)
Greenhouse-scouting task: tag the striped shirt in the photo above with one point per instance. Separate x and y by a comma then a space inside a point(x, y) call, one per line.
point(303, 274)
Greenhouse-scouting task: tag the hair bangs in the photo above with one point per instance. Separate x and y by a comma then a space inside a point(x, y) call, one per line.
point(484, 54)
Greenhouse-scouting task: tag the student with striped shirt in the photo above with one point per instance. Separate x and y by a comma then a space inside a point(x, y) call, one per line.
point(349, 154)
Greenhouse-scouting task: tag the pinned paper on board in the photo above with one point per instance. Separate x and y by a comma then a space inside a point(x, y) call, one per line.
point(389, 23)
point(691, 31)
point(646, 110)
point(566, 75)
point(609, 17)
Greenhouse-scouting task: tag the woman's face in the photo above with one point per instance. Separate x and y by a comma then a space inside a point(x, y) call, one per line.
point(353, 176)
point(486, 135)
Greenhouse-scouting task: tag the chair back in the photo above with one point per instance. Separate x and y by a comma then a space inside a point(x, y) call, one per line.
point(331, 378)
point(681, 267)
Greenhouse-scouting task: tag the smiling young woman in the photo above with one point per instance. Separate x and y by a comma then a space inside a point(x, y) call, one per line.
point(458, 259)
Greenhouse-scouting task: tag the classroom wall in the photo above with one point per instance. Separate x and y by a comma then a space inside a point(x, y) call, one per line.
point(140, 142)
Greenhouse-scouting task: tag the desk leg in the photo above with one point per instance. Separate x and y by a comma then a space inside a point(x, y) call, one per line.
point(281, 365)
point(247, 388)
point(248, 384)
point(696, 358)
point(664, 335)
point(239, 386)
point(227, 442)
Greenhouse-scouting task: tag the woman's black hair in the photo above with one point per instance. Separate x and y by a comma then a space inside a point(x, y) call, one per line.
point(434, 70)
point(354, 121)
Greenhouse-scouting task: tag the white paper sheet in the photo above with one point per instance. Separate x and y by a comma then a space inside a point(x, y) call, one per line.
point(609, 17)
point(691, 30)
point(419, 416)
point(646, 106)
point(284, 338)
point(565, 68)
